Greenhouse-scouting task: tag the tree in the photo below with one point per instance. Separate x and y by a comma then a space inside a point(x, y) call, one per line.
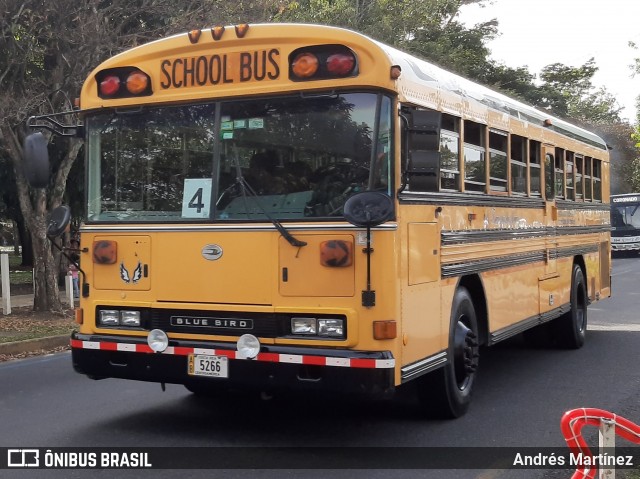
point(633, 168)
point(427, 28)
point(46, 51)
point(569, 92)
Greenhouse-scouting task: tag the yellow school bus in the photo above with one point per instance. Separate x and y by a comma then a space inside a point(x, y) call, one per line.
point(286, 206)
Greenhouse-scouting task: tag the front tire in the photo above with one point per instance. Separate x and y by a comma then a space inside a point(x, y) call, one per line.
point(447, 392)
point(571, 327)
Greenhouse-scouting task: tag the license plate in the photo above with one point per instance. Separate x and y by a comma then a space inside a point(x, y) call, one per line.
point(211, 366)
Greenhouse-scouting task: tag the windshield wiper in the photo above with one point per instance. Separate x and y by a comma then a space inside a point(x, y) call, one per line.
point(246, 187)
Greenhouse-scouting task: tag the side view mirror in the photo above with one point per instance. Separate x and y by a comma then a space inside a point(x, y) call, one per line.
point(369, 208)
point(36, 160)
point(58, 221)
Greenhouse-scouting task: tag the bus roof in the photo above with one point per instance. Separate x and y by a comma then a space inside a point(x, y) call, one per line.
point(416, 70)
point(421, 82)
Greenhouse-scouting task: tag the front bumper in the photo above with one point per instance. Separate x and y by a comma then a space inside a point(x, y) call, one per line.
point(625, 246)
point(276, 367)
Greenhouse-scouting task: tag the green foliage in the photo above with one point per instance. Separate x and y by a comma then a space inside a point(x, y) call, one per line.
point(427, 28)
point(48, 48)
point(569, 92)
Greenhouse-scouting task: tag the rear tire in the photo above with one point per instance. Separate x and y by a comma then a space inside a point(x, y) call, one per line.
point(571, 327)
point(446, 393)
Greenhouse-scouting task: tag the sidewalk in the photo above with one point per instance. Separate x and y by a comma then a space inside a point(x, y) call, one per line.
point(26, 300)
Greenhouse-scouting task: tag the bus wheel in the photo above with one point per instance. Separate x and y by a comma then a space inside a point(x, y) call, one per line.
point(571, 327)
point(447, 391)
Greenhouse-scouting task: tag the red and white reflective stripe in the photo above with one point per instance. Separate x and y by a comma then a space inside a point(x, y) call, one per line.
point(265, 357)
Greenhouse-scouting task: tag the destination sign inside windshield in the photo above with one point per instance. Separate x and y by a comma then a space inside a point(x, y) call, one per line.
point(227, 68)
point(625, 199)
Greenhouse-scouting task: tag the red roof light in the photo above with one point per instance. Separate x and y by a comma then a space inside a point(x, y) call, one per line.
point(110, 85)
point(340, 64)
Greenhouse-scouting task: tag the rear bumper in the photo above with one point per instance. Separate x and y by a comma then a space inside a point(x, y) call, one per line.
point(276, 367)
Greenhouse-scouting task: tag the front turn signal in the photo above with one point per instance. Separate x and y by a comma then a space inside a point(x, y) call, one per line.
point(385, 329)
point(105, 252)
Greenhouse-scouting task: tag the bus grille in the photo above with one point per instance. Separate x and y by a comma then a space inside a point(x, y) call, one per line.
point(220, 323)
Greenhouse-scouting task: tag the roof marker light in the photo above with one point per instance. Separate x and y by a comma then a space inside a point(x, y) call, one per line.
point(241, 30)
point(217, 31)
point(194, 35)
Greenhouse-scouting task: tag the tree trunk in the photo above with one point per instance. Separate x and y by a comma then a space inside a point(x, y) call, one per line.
point(46, 293)
point(25, 241)
point(16, 239)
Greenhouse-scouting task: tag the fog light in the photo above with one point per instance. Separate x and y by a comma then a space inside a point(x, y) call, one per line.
point(158, 340)
point(248, 346)
point(130, 318)
point(109, 317)
point(303, 326)
point(333, 328)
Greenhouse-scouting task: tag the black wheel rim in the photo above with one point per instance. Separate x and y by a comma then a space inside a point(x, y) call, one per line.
point(465, 354)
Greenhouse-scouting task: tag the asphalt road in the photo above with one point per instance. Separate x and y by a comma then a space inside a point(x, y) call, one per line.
point(521, 395)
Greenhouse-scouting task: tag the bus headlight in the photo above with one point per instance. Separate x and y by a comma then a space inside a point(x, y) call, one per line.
point(318, 327)
point(333, 328)
point(130, 318)
point(304, 326)
point(113, 318)
point(109, 317)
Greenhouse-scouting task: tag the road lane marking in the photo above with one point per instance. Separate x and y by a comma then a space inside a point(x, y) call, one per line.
point(613, 327)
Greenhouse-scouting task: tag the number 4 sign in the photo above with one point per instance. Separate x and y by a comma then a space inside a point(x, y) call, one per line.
point(196, 199)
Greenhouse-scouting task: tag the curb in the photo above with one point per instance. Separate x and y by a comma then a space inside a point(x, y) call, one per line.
point(29, 345)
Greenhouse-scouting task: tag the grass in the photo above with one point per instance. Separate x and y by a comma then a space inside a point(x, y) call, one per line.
point(24, 323)
point(18, 275)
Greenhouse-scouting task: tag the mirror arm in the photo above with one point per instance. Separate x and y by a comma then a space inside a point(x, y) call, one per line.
point(368, 296)
point(85, 285)
point(50, 123)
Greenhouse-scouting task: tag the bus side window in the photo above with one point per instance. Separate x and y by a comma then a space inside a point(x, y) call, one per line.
point(549, 173)
point(559, 176)
point(475, 157)
point(597, 180)
point(569, 175)
point(498, 159)
point(518, 165)
point(450, 153)
point(587, 179)
point(579, 177)
point(534, 167)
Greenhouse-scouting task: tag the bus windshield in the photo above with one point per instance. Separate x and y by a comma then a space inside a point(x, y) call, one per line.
point(625, 217)
point(289, 158)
